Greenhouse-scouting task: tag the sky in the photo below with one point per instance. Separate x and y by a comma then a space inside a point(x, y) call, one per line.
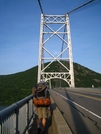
point(20, 32)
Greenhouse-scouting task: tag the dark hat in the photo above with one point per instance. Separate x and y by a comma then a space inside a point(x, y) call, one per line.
point(41, 86)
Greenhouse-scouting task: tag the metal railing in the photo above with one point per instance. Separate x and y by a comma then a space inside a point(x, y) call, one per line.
point(16, 118)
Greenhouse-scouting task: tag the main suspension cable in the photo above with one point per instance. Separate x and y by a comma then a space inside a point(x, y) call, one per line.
point(94, 3)
point(40, 7)
point(80, 6)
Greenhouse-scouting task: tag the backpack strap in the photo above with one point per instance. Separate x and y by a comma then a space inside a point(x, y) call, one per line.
point(45, 93)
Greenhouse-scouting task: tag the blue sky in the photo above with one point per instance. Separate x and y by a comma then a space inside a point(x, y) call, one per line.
point(20, 33)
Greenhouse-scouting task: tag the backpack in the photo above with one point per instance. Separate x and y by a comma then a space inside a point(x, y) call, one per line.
point(42, 96)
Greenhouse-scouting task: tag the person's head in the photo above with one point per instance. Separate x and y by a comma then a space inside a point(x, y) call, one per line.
point(41, 86)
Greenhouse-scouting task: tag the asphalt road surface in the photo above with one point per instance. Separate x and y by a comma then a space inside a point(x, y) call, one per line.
point(81, 110)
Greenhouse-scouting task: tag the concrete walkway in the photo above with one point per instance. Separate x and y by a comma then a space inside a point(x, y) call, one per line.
point(33, 129)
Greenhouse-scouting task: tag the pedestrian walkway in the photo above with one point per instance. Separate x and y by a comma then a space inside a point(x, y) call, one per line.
point(33, 129)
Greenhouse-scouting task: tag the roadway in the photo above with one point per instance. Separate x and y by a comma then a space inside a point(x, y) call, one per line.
point(81, 110)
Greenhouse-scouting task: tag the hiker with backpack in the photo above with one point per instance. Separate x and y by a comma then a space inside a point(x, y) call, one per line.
point(42, 104)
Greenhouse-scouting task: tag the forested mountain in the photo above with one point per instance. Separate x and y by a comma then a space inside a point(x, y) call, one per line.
point(17, 86)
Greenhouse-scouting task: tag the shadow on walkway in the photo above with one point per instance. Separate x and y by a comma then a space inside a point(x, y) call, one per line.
point(33, 129)
point(79, 124)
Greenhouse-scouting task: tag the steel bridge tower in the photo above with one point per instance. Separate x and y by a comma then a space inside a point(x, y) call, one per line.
point(56, 27)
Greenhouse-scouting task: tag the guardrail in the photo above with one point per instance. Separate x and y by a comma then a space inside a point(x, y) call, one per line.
point(16, 118)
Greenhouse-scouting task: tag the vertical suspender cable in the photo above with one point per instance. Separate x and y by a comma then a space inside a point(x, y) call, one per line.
point(63, 41)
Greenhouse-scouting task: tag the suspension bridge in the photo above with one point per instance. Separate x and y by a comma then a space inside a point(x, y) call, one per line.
point(71, 111)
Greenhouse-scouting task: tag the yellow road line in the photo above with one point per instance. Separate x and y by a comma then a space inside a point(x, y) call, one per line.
point(85, 96)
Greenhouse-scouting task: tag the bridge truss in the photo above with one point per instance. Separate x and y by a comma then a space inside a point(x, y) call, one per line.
point(54, 30)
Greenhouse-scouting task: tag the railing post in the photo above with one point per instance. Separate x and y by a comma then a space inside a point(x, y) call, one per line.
point(14, 120)
point(27, 116)
point(17, 114)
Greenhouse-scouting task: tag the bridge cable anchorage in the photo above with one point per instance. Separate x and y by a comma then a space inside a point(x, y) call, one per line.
point(88, 2)
point(40, 7)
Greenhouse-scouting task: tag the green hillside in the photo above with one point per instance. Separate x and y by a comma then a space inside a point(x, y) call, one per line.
point(17, 86)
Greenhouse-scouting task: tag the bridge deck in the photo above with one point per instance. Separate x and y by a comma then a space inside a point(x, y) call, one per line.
point(33, 129)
